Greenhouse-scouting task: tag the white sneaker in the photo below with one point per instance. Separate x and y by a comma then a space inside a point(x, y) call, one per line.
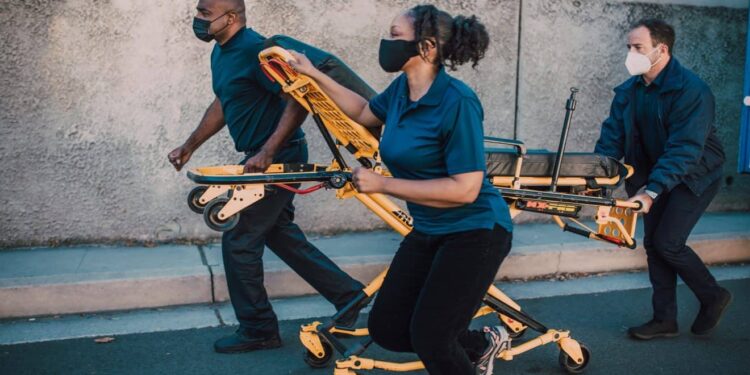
point(499, 340)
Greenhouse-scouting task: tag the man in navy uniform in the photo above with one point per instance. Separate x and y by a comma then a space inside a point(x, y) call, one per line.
point(265, 125)
point(662, 122)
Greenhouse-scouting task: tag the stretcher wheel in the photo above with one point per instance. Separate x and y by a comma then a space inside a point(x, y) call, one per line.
point(337, 181)
point(211, 216)
point(571, 366)
point(515, 335)
point(193, 199)
point(313, 361)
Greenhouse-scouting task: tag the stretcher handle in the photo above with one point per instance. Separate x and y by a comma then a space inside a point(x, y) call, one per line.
point(570, 107)
point(518, 145)
point(276, 51)
point(590, 234)
point(637, 205)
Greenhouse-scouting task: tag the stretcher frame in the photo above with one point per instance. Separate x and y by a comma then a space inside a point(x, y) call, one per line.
point(226, 190)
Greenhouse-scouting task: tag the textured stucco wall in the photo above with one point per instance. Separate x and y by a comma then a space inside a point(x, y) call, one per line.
point(95, 93)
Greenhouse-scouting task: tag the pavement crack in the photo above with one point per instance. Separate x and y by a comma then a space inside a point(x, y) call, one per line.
point(218, 316)
point(210, 274)
point(85, 253)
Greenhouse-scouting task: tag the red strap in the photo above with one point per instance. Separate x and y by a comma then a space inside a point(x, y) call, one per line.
point(614, 240)
point(278, 66)
point(302, 191)
point(264, 68)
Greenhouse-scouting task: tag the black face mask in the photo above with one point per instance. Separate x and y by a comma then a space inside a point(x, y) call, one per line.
point(201, 27)
point(394, 54)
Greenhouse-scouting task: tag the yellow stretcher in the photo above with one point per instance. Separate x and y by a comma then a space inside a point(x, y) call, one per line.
point(523, 177)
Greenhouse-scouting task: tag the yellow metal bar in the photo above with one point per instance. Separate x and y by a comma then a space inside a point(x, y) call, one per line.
point(307, 92)
point(572, 348)
point(626, 204)
point(242, 197)
point(388, 216)
point(544, 339)
point(507, 181)
point(308, 336)
point(484, 310)
point(584, 226)
point(375, 284)
point(357, 363)
point(219, 170)
point(359, 332)
point(213, 192)
point(399, 367)
point(499, 295)
point(559, 221)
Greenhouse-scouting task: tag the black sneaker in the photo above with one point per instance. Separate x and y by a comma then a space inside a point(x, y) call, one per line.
point(653, 329)
point(239, 342)
point(709, 315)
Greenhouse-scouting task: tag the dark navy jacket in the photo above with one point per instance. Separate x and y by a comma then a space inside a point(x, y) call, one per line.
point(692, 154)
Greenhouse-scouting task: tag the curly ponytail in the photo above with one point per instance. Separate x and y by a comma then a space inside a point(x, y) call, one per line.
point(468, 43)
point(459, 40)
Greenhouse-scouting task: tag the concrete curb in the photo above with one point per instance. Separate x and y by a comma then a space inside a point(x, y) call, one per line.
point(191, 275)
point(89, 279)
point(526, 262)
point(107, 295)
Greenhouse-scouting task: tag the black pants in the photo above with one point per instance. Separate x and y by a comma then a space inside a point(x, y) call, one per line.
point(433, 288)
point(667, 227)
point(270, 222)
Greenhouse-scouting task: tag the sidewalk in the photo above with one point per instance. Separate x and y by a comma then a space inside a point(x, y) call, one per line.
point(36, 282)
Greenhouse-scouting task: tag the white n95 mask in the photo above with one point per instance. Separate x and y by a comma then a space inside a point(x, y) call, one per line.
point(638, 64)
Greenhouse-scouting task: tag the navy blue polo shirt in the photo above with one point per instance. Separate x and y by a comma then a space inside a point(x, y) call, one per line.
point(439, 135)
point(251, 102)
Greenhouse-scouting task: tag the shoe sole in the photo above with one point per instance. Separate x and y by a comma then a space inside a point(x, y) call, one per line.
point(721, 316)
point(250, 348)
point(656, 336)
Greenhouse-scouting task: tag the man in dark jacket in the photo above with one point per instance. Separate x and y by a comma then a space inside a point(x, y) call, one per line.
point(265, 125)
point(662, 123)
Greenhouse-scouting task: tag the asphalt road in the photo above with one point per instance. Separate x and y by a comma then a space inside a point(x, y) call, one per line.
point(598, 320)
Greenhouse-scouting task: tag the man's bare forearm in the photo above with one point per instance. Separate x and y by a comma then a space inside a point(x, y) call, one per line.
point(292, 118)
point(212, 122)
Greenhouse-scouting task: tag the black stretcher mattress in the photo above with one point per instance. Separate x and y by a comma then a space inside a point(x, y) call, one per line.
point(540, 163)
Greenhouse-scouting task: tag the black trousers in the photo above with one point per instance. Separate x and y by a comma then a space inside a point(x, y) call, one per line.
point(270, 222)
point(667, 227)
point(433, 288)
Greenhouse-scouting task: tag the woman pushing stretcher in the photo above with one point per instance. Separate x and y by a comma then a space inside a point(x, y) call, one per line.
point(433, 147)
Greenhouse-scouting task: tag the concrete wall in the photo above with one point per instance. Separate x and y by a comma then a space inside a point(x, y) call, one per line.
point(95, 93)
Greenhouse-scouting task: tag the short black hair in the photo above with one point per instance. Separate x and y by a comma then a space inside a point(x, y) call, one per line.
point(661, 32)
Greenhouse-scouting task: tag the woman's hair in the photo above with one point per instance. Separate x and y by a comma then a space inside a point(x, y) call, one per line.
point(459, 40)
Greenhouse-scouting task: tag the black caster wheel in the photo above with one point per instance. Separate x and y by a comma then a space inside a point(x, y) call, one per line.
point(211, 216)
point(569, 365)
point(515, 335)
point(313, 361)
point(193, 199)
point(337, 181)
